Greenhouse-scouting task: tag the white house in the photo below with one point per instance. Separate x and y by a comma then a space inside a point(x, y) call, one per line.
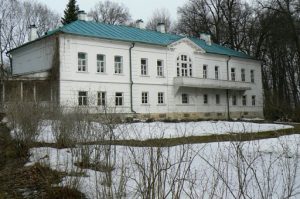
point(138, 71)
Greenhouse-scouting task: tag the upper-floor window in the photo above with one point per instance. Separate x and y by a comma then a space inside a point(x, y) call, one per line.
point(253, 100)
point(184, 98)
point(244, 100)
point(216, 72)
point(82, 62)
point(232, 74)
point(205, 99)
point(119, 99)
point(161, 99)
point(243, 75)
point(160, 68)
point(184, 66)
point(144, 66)
point(204, 71)
point(234, 100)
point(82, 98)
point(145, 97)
point(101, 101)
point(252, 76)
point(100, 63)
point(217, 99)
point(118, 64)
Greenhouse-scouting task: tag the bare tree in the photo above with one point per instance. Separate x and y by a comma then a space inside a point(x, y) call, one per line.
point(110, 12)
point(160, 16)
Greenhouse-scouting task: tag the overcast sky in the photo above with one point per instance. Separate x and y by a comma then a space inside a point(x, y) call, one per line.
point(139, 9)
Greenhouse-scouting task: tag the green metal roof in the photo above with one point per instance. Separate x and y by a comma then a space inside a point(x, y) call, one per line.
point(131, 34)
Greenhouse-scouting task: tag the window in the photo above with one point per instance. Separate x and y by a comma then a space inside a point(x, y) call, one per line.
point(184, 98)
point(234, 100)
point(160, 68)
point(252, 76)
point(118, 65)
point(204, 71)
point(144, 97)
point(244, 100)
point(243, 76)
point(205, 99)
point(161, 99)
point(100, 63)
point(82, 62)
point(232, 74)
point(253, 100)
point(217, 99)
point(216, 72)
point(119, 99)
point(184, 66)
point(101, 99)
point(82, 98)
point(144, 67)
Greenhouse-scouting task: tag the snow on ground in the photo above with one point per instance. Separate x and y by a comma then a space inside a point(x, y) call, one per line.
point(268, 167)
point(144, 131)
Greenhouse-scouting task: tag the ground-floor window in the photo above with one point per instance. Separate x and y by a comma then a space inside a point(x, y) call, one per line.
point(217, 99)
point(184, 98)
point(244, 101)
point(101, 98)
point(145, 97)
point(119, 99)
point(253, 100)
point(234, 100)
point(205, 99)
point(160, 96)
point(82, 98)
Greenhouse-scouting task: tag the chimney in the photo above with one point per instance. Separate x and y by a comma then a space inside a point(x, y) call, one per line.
point(161, 27)
point(139, 24)
point(33, 32)
point(82, 15)
point(206, 38)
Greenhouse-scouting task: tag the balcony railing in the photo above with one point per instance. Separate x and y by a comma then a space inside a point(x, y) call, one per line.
point(210, 83)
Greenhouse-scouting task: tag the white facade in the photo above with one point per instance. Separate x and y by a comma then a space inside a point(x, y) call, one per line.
point(159, 92)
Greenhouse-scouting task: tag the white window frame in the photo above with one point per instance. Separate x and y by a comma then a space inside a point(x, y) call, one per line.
point(253, 100)
point(252, 76)
point(160, 98)
point(244, 100)
point(184, 98)
point(118, 65)
point(205, 99)
point(82, 98)
point(119, 99)
point(184, 66)
point(101, 68)
point(145, 98)
point(243, 75)
point(216, 72)
point(234, 100)
point(82, 62)
point(204, 69)
point(144, 67)
point(101, 98)
point(232, 72)
point(160, 68)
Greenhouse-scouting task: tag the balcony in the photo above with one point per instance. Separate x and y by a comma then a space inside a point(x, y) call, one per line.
point(210, 83)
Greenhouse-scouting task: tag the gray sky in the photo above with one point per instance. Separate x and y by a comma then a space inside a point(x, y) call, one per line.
point(139, 9)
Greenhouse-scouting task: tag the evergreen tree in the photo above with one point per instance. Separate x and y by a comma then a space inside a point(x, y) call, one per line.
point(70, 13)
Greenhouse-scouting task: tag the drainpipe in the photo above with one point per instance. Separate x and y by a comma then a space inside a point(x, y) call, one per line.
point(227, 90)
point(130, 74)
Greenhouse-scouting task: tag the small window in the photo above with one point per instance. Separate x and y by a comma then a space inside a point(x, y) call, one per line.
point(216, 72)
point(244, 100)
point(205, 99)
point(82, 98)
point(185, 98)
point(118, 64)
point(161, 99)
point(243, 76)
point(82, 62)
point(234, 100)
point(101, 101)
point(204, 71)
point(253, 100)
point(144, 67)
point(119, 99)
point(232, 74)
point(100, 63)
point(217, 99)
point(160, 68)
point(145, 97)
point(252, 76)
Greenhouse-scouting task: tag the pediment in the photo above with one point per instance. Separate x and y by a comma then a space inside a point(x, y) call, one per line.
point(187, 41)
